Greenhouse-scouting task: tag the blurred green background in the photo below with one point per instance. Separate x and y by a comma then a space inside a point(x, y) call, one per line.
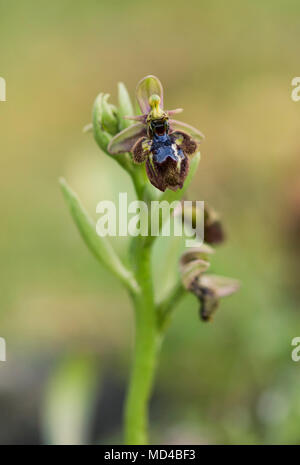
point(68, 325)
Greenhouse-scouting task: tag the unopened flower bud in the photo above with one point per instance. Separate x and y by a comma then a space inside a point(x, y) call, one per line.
point(125, 107)
point(105, 121)
point(101, 135)
point(109, 120)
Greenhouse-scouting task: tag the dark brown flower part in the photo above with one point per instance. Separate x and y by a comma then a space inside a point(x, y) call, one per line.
point(208, 299)
point(167, 163)
point(169, 174)
point(213, 228)
point(209, 289)
point(141, 150)
point(187, 144)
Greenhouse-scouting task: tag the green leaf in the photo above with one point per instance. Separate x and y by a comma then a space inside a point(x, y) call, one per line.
point(99, 246)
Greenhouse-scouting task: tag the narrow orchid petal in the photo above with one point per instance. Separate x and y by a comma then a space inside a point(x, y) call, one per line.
point(141, 118)
point(220, 285)
point(124, 141)
point(174, 124)
point(148, 86)
point(87, 128)
point(174, 112)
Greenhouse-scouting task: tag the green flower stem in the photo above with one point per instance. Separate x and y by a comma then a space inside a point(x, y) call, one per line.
point(147, 341)
point(166, 307)
point(138, 177)
point(150, 322)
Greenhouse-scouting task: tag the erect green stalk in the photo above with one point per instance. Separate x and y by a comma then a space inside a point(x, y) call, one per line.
point(150, 322)
point(145, 351)
point(166, 307)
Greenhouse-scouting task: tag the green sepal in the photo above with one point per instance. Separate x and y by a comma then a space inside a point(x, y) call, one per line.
point(125, 107)
point(103, 137)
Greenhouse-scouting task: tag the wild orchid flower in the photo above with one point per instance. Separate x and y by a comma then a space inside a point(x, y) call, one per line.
point(163, 143)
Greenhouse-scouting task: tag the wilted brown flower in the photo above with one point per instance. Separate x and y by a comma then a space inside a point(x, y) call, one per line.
point(208, 288)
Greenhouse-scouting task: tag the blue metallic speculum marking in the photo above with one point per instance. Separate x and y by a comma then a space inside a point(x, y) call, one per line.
point(163, 144)
point(163, 147)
